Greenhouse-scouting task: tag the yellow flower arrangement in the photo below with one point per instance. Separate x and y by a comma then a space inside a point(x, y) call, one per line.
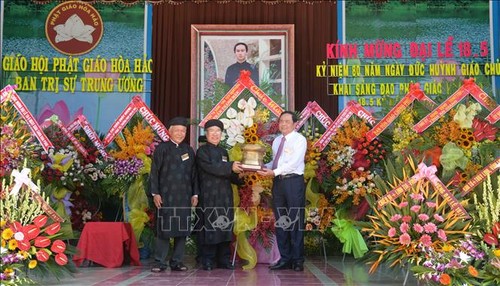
point(446, 131)
point(340, 149)
point(250, 134)
point(12, 244)
point(262, 114)
point(32, 264)
point(403, 130)
point(465, 139)
point(255, 179)
point(354, 190)
point(350, 131)
point(7, 234)
point(135, 142)
point(448, 247)
point(326, 212)
point(312, 157)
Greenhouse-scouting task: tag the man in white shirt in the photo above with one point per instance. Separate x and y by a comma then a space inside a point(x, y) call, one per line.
point(287, 168)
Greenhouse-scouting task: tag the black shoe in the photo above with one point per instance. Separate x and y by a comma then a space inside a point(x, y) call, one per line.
point(207, 267)
point(280, 265)
point(298, 267)
point(178, 267)
point(158, 268)
point(226, 266)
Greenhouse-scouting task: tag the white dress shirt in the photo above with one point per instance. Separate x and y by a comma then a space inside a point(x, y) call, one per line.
point(292, 156)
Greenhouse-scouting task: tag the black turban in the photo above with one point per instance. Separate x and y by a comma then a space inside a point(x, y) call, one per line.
point(214, 122)
point(177, 121)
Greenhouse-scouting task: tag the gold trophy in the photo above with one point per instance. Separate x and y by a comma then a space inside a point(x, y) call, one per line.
point(253, 157)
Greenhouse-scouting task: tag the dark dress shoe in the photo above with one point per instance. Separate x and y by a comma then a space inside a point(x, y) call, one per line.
point(298, 267)
point(178, 267)
point(280, 265)
point(226, 266)
point(157, 268)
point(208, 267)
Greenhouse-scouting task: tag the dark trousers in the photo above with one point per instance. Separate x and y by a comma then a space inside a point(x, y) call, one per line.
point(163, 245)
point(219, 253)
point(288, 207)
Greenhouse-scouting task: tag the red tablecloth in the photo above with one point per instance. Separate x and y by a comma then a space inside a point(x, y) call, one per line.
point(105, 243)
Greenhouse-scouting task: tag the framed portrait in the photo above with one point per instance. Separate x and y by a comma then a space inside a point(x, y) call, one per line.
point(220, 52)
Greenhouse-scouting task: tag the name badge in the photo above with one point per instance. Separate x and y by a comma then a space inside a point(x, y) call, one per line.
point(184, 157)
point(224, 159)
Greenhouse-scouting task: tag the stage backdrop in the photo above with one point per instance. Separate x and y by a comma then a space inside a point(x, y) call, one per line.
point(315, 25)
point(435, 43)
point(75, 58)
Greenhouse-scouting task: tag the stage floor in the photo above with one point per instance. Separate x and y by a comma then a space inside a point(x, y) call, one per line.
point(316, 272)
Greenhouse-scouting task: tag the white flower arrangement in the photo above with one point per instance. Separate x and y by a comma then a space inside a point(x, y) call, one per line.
point(344, 158)
point(237, 121)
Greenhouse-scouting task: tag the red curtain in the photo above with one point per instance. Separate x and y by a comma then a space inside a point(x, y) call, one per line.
point(315, 25)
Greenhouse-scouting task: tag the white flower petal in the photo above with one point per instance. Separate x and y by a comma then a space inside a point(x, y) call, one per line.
point(247, 122)
point(235, 123)
point(231, 113)
point(249, 112)
point(240, 116)
point(226, 122)
point(252, 103)
point(240, 139)
point(241, 128)
point(231, 132)
point(242, 104)
point(231, 141)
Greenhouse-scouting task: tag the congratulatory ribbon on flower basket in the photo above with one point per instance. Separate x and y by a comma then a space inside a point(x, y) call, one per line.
point(8, 93)
point(311, 196)
point(22, 178)
point(136, 105)
point(135, 202)
point(350, 237)
point(481, 176)
point(425, 172)
point(468, 87)
point(244, 82)
point(245, 222)
point(415, 93)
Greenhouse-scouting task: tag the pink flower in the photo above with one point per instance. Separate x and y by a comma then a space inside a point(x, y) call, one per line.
point(405, 239)
point(430, 227)
point(396, 217)
point(430, 204)
point(417, 197)
point(438, 218)
point(426, 240)
point(454, 264)
point(391, 232)
point(442, 235)
point(7, 130)
point(418, 228)
point(423, 217)
point(404, 227)
point(406, 218)
point(415, 208)
point(403, 204)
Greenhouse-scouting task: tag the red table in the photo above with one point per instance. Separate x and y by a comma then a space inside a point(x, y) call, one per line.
point(105, 243)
